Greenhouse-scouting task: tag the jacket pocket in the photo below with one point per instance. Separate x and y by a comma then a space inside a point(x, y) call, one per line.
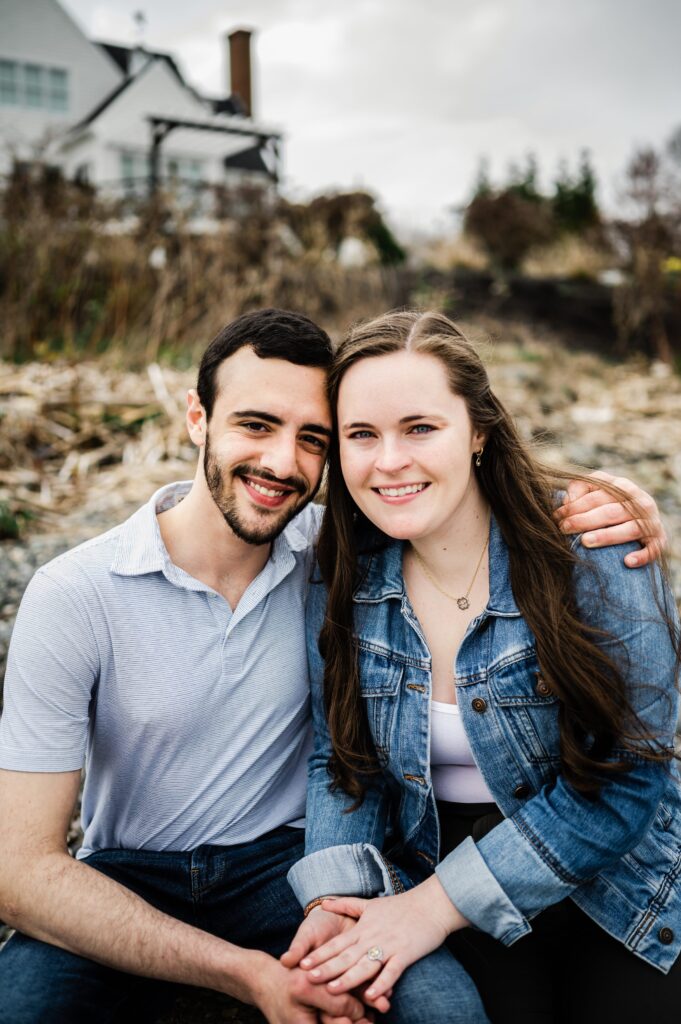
point(380, 678)
point(528, 711)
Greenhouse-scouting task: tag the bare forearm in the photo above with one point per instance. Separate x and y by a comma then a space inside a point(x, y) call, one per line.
point(69, 904)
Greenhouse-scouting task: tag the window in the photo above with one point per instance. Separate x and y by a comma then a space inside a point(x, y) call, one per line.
point(58, 90)
point(9, 83)
point(135, 171)
point(33, 85)
point(128, 171)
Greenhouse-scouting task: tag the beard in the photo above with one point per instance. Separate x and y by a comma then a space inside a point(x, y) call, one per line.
point(272, 521)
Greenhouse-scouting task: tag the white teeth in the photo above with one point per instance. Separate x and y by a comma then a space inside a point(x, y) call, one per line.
point(397, 492)
point(267, 491)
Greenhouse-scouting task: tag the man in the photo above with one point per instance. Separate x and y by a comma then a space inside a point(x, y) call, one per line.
point(171, 651)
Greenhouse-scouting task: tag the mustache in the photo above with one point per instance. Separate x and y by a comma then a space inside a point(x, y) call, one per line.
point(297, 483)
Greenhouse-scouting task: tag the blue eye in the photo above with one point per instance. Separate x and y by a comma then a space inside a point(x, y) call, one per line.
point(422, 428)
point(360, 435)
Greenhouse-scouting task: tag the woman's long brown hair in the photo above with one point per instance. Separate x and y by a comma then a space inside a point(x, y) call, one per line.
point(595, 716)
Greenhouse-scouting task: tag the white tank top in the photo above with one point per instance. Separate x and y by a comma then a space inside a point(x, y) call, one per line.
point(455, 775)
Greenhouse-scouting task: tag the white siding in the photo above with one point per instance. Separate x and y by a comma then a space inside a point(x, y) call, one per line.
point(40, 33)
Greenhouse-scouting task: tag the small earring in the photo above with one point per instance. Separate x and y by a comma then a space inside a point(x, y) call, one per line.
point(478, 456)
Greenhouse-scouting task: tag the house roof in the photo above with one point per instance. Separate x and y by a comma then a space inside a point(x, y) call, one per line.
point(123, 55)
point(248, 160)
point(152, 58)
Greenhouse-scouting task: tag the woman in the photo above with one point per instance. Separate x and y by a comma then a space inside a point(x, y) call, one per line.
point(486, 697)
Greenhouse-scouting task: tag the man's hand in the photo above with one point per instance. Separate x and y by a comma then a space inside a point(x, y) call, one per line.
point(594, 512)
point(289, 997)
point(318, 928)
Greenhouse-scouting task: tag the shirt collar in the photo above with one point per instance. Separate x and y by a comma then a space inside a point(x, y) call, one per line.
point(382, 577)
point(140, 549)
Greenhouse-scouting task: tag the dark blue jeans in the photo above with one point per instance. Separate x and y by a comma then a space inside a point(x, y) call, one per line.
point(239, 893)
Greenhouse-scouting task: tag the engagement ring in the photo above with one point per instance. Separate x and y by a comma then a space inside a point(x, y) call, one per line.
point(375, 953)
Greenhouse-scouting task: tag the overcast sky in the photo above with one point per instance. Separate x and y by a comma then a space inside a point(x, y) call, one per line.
point(404, 98)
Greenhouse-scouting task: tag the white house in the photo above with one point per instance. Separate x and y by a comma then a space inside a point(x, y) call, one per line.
point(121, 117)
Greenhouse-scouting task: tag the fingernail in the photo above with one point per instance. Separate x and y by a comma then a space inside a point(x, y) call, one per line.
point(332, 984)
point(587, 540)
point(371, 992)
point(306, 962)
point(315, 973)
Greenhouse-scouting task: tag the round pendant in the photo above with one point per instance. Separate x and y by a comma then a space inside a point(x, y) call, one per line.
point(463, 603)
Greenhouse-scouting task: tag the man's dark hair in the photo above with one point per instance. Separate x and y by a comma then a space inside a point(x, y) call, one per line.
point(272, 334)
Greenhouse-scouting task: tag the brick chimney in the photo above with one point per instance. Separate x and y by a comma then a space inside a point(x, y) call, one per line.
point(240, 67)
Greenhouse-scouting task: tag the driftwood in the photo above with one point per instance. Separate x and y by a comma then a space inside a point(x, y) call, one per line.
point(70, 434)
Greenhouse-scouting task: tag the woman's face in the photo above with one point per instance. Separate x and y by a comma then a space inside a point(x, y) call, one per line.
point(406, 444)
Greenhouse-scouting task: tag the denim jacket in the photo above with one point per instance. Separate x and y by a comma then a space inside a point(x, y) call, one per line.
point(618, 856)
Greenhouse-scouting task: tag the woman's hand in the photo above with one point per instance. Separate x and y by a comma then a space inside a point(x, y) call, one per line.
point(399, 930)
point(318, 928)
point(591, 510)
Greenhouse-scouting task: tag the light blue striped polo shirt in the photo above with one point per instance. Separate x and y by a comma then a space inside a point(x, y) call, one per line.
point(193, 720)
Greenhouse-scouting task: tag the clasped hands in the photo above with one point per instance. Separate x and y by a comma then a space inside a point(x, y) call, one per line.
point(331, 945)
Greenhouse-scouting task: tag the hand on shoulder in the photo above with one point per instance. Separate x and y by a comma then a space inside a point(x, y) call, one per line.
point(604, 518)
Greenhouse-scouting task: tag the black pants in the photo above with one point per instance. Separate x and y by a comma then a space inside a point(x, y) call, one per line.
point(567, 970)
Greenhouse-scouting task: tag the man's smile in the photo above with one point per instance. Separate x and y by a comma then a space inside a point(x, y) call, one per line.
point(266, 493)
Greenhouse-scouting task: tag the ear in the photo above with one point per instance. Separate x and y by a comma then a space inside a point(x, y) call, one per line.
point(197, 423)
point(479, 440)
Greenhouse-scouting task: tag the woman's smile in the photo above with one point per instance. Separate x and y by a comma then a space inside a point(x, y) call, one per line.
point(395, 494)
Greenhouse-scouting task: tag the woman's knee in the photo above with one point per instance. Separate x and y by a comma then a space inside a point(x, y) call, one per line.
point(436, 990)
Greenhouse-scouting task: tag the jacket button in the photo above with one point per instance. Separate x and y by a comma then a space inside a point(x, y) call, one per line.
point(666, 936)
point(521, 791)
point(542, 687)
point(479, 705)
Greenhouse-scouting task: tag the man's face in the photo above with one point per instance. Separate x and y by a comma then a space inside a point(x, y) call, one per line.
point(266, 442)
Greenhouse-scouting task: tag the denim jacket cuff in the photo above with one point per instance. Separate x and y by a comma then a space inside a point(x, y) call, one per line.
point(355, 869)
point(476, 894)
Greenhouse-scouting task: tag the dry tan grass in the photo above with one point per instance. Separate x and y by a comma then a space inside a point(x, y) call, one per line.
point(570, 256)
point(78, 286)
point(447, 253)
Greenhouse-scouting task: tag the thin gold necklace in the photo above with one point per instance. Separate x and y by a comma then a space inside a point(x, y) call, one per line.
point(462, 602)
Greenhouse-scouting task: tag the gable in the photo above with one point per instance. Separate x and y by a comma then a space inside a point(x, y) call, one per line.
point(155, 90)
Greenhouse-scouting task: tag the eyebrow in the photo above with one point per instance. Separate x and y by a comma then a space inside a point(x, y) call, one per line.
point(314, 428)
point(405, 419)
